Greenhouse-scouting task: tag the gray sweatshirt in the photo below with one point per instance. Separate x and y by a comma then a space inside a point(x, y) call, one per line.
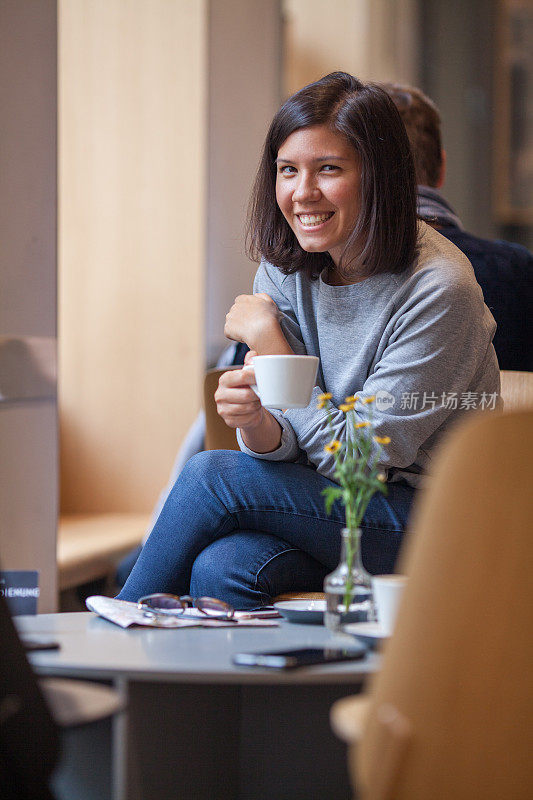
point(421, 342)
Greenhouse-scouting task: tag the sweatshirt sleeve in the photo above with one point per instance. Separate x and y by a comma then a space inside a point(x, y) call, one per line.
point(268, 280)
point(434, 352)
point(436, 356)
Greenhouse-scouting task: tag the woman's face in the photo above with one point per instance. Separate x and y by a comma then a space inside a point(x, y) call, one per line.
point(317, 188)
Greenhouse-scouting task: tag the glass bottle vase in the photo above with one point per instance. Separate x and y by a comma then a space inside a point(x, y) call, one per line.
point(348, 588)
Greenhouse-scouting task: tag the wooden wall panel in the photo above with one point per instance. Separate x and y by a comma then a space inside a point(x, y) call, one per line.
point(131, 244)
point(244, 94)
point(28, 214)
point(376, 40)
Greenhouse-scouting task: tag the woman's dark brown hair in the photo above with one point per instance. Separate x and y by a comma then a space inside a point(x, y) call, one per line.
point(384, 238)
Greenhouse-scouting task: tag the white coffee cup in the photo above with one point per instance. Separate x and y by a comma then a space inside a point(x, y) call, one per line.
point(387, 594)
point(284, 381)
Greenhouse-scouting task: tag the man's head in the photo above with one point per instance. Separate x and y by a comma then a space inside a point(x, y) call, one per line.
point(422, 123)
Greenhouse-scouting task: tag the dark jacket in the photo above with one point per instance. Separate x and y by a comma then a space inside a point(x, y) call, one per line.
point(505, 273)
point(503, 270)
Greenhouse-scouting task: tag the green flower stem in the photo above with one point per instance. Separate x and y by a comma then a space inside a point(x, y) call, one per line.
point(350, 554)
point(356, 472)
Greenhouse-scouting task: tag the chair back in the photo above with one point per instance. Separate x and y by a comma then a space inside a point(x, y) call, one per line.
point(218, 436)
point(516, 389)
point(451, 709)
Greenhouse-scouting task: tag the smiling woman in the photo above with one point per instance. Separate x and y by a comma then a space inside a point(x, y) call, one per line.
point(318, 189)
point(336, 141)
point(393, 312)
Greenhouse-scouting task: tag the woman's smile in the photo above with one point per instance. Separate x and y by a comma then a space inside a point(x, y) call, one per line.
point(314, 219)
point(318, 188)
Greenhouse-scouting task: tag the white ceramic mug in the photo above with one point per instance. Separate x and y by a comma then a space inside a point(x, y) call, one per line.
point(387, 594)
point(284, 381)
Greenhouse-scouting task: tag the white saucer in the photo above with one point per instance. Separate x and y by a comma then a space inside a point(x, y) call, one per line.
point(305, 612)
point(369, 632)
point(308, 612)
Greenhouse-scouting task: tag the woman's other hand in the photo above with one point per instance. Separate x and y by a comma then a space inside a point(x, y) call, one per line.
point(254, 319)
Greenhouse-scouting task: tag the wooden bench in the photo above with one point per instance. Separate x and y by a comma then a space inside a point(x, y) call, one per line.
point(89, 546)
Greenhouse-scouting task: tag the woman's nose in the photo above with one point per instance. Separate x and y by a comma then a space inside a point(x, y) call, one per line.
point(306, 189)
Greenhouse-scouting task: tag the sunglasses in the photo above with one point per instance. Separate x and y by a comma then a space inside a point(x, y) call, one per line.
point(172, 605)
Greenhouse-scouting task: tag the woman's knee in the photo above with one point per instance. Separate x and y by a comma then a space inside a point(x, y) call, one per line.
point(204, 462)
point(213, 464)
point(204, 576)
point(213, 570)
point(249, 569)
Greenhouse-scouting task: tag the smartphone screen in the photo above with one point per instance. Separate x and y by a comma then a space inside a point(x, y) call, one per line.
point(289, 659)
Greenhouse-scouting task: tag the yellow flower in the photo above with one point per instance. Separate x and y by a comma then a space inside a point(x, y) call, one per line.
point(323, 398)
point(382, 477)
point(352, 398)
point(333, 446)
point(346, 407)
point(362, 424)
point(382, 439)
point(370, 399)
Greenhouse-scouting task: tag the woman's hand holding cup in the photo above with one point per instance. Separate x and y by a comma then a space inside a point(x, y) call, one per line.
point(240, 407)
point(237, 403)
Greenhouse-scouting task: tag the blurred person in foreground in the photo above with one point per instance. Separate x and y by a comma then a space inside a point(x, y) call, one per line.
point(503, 270)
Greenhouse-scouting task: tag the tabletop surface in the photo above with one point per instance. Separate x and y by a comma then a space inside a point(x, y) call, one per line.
point(92, 647)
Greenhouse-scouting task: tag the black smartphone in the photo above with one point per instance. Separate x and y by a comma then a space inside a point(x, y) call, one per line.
point(306, 656)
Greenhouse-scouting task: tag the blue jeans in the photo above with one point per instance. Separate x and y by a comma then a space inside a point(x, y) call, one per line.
point(245, 530)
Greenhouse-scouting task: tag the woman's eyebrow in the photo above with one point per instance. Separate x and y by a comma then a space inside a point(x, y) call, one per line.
point(319, 158)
